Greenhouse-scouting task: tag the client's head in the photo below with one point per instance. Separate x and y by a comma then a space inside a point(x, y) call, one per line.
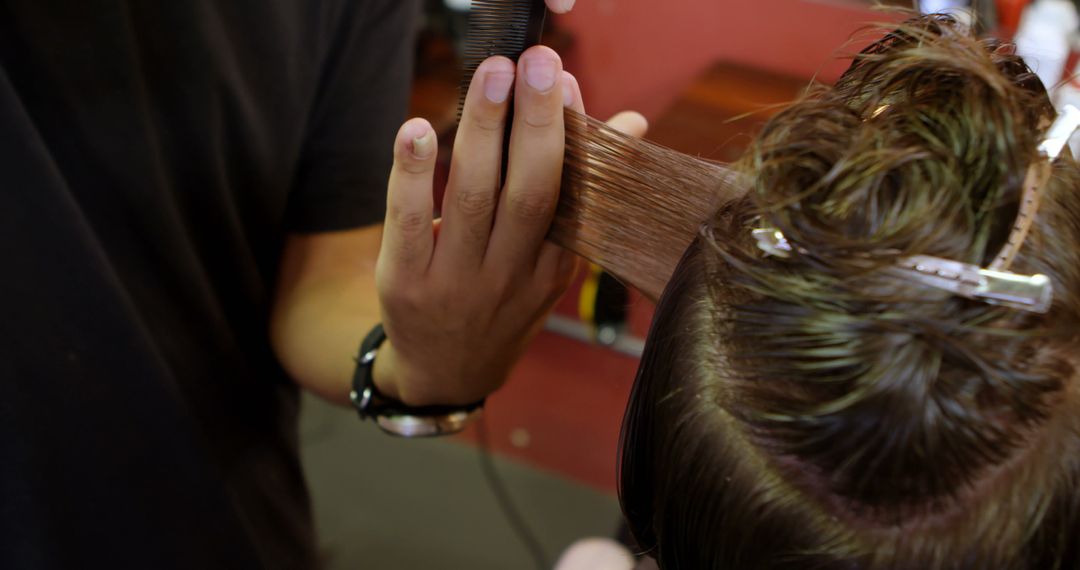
point(820, 409)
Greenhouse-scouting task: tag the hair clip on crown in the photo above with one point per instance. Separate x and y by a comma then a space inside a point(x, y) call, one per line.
point(995, 284)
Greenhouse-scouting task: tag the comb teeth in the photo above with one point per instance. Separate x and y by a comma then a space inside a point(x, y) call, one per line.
point(499, 27)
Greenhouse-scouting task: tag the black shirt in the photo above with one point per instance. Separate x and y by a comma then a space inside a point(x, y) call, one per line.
point(153, 155)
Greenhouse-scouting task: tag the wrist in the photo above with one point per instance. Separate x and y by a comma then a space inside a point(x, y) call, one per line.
point(396, 378)
point(383, 373)
point(393, 415)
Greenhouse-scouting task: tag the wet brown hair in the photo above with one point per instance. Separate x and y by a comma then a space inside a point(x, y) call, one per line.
point(814, 412)
point(632, 206)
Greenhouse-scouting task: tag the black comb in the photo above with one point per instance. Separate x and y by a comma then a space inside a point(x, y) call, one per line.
point(499, 27)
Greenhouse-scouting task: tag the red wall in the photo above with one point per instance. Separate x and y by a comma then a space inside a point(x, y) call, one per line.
point(638, 54)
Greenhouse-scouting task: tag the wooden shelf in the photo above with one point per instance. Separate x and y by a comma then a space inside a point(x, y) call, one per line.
point(719, 112)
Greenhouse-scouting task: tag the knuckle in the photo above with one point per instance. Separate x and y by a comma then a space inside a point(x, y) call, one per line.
point(389, 292)
point(403, 297)
point(475, 203)
point(542, 119)
point(532, 204)
point(414, 167)
point(408, 221)
point(412, 297)
point(384, 278)
point(488, 123)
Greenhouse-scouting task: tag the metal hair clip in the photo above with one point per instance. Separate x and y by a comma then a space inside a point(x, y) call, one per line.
point(1026, 292)
point(1060, 132)
point(1037, 175)
point(994, 285)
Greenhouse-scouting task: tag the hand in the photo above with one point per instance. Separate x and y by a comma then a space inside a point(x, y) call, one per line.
point(462, 296)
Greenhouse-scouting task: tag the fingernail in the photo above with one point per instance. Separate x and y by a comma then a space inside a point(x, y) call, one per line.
point(562, 6)
point(422, 147)
point(567, 89)
point(540, 72)
point(497, 86)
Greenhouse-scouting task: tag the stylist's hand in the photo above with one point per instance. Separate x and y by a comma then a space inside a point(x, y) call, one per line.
point(462, 296)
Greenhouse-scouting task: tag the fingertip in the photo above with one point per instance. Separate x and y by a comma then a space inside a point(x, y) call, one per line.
point(541, 51)
point(630, 122)
point(414, 128)
point(496, 76)
point(497, 64)
point(572, 98)
point(540, 67)
point(560, 6)
point(417, 140)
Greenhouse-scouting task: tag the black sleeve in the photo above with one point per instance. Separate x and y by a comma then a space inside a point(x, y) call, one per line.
point(362, 99)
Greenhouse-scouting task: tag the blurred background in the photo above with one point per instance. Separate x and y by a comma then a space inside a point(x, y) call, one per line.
point(539, 471)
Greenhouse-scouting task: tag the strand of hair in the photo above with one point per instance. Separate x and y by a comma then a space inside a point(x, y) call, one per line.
point(632, 206)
